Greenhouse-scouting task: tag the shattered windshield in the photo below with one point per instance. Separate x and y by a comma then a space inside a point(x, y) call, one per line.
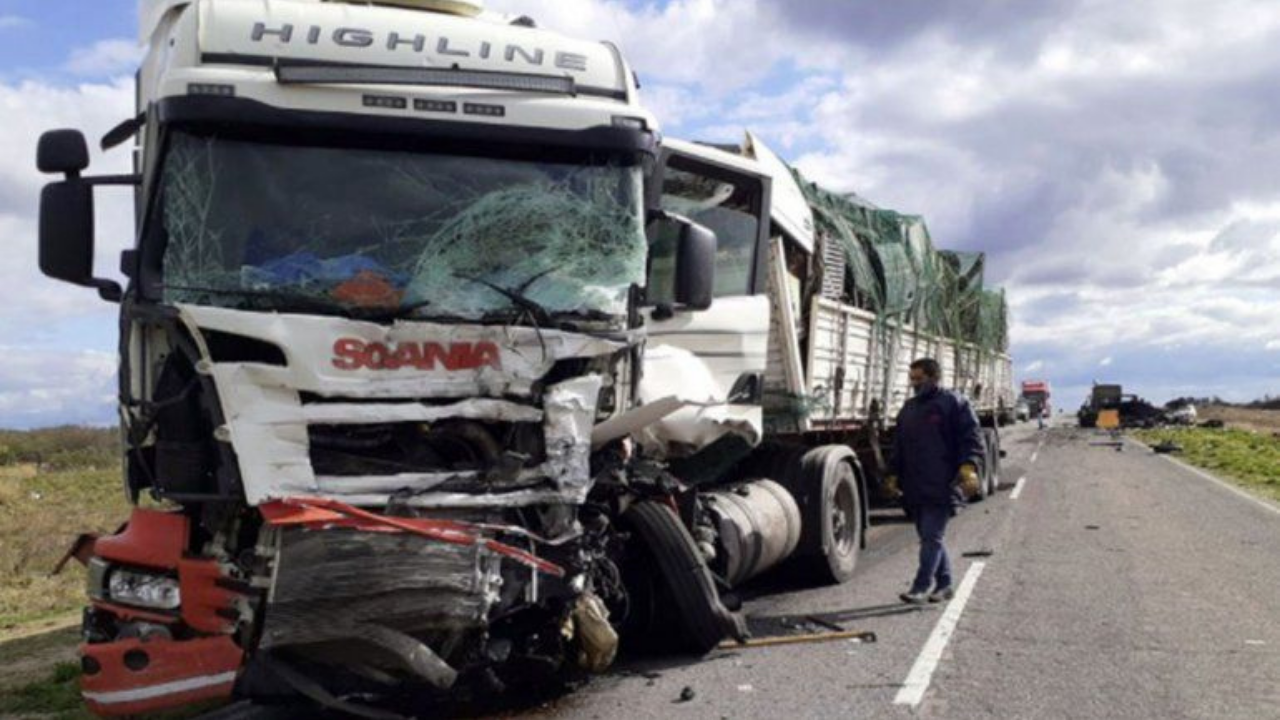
point(404, 234)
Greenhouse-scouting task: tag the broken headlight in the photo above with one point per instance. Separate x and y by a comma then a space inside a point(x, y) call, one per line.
point(143, 589)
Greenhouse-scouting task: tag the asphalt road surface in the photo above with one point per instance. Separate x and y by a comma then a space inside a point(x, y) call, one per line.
point(1118, 584)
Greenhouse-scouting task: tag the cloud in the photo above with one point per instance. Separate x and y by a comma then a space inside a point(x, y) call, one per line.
point(39, 386)
point(106, 58)
point(1105, 362)
point(9, 22)
point(1118, 162)
point(59, 338)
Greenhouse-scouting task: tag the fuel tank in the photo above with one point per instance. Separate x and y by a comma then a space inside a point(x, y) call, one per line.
point(757, 525)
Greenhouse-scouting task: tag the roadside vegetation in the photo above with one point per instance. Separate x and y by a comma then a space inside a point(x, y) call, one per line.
point(54, 484)
point(1248, 457)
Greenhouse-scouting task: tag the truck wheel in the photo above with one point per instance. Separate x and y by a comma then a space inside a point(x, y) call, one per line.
point(691, 589)
point(991, 439)
point(831, 514)
point(984, 470)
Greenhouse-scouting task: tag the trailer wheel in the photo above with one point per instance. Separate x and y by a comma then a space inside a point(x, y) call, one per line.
point(688, 582)
point(984, 470)
point(991, 439)
point(831, 514)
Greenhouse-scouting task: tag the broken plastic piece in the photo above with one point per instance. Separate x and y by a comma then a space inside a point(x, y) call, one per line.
point(325, 512)
point(597, 639)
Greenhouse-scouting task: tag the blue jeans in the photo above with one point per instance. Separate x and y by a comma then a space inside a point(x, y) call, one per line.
point(935, 566)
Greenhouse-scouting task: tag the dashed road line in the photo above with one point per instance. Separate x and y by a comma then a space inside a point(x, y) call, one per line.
point(917, 682)
point(1017, 488)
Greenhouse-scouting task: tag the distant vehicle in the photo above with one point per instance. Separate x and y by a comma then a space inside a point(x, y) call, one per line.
point(1022, 410)
point(1184, 415)
point(1037, 394)
point(1132, 410)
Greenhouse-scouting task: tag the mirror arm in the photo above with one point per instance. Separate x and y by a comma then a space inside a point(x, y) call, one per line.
point(134, 180)
point(122, 132)
point(108, 290)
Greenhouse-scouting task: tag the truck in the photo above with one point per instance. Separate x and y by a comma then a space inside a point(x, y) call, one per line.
point(440, 369)
point(1130, 410)
point(1037, 393)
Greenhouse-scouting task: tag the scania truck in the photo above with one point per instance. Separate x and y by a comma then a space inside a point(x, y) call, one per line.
point(441, 369)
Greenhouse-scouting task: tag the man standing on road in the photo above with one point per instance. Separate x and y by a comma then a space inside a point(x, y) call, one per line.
point(936, 451)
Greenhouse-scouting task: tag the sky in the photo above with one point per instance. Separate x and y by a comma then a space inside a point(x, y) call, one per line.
point(1119, 163)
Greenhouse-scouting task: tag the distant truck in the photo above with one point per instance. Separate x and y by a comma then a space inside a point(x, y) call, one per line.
point(1132, 410)
point(1037, 393)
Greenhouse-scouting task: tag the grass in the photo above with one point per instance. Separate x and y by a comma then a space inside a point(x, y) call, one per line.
point(57, 695)
point(40, 515)
point(1249, 459)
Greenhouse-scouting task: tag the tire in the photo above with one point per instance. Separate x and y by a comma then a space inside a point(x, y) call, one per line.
point(688, 583)
point(830, 513)
point(984, 475)
point(993, 458)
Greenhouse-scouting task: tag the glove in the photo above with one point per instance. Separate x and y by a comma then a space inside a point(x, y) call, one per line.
point(968, 479)
point(891, 489)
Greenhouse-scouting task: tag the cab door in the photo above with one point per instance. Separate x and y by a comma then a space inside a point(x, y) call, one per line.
point(715, 356)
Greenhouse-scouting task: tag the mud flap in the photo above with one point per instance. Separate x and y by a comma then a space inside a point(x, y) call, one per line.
point(703, 616)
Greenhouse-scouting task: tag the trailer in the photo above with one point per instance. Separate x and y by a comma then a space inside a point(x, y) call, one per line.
point(446, 372)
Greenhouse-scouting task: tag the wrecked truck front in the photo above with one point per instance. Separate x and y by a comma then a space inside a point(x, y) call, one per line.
point(398, 525)
point(371, 414)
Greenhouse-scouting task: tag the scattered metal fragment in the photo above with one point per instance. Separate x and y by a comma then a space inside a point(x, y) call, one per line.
point(985, 552)
point(824, 623)
point(1092, 527)
point(863, 635)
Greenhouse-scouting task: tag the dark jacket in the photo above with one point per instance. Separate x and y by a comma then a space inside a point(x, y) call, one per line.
point(936, 433)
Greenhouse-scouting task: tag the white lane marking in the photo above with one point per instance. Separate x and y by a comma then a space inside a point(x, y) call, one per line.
point(917, 682)
point(1017, 488)
point(1224, 485)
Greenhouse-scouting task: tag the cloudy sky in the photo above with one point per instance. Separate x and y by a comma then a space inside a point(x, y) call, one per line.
point(1119, 162)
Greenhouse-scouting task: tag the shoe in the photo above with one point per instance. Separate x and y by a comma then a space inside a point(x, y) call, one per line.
point(914, 598)
point(942, 595)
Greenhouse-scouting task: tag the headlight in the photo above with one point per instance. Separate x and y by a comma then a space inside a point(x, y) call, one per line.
point(143, 589)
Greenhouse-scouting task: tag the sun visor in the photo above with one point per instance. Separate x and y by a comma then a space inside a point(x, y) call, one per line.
point(340, 33)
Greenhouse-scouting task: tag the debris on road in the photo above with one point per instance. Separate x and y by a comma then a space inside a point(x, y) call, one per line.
point(1092, 527)
point(860, 635)
point(1166, 447)
point(985, 552)
point(687, 694)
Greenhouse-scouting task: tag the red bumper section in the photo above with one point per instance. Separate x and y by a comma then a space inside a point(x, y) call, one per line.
point(132, 676)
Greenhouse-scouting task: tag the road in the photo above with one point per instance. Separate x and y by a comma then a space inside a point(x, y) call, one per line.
point(1119, 585)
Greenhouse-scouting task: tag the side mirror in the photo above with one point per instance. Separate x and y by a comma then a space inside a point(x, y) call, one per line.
point(62, 151)
point(66, 212)
point(695, 265)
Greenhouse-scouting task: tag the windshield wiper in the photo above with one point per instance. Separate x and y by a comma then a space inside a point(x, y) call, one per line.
point(540, 314)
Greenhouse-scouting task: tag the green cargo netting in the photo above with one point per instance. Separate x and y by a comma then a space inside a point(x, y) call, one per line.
point(895, 271)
